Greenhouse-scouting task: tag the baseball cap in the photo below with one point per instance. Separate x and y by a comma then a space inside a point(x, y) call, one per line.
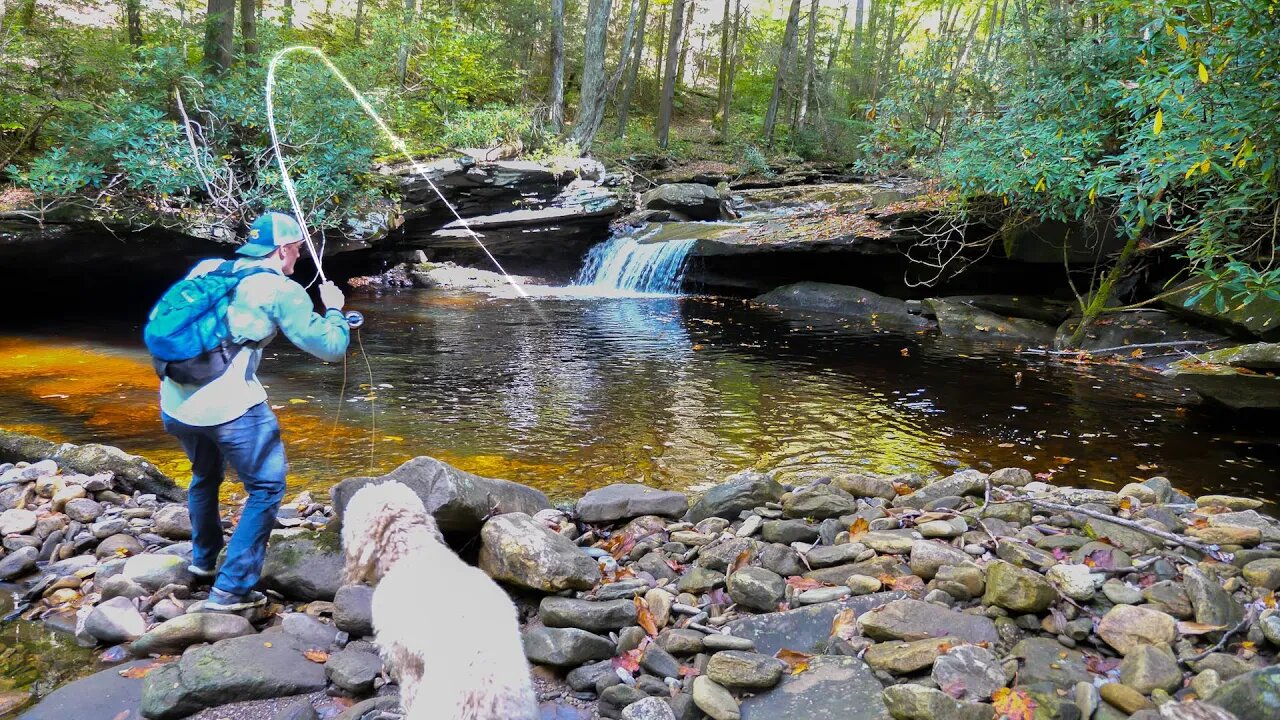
point(268, 232)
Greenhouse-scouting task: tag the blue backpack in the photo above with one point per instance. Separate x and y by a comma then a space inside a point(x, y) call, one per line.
point(187, 332)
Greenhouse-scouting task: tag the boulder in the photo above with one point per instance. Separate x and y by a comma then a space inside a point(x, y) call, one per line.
point(742, 669)
point(1125, 627)
point(965, 482)
point(116, 694)
point(130, 473)
point(590, 615)
point(353, 670)
point(1151, 667)
point(303, 564)
point(156, 571)
point(832, 688)
point(847, 301)
point(173, 522)
point(917, 702)
point(627, 500)
point(519, 550)
point(1240, 378)
point(1017, 589)
point(908, 619)
point(805, 629)
point(18, 563)
point(1251, 696)
point(958, 318)
point(757, 588)
point(969, 672)
point(693, 200)
point(743, 491)
point(460, 501)
point(1259, 317)
point(173, 636)
point(565, 647)
point(353, 610)
point(251, 667)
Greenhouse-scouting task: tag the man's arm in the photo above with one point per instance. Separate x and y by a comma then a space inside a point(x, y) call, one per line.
point(325, 336)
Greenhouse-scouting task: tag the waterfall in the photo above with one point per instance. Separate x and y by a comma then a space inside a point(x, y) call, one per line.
point(628, 264)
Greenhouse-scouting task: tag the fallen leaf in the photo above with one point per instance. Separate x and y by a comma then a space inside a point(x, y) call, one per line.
point(266, 644)
point(689, 671)
point(629, 661)
point(845, 626)
point(141, 671)
point(297, 401)
point(803, 583)
point(1013, 704)
point(905, 352)
point(1099, 665)
point(908, 584)
point(743, 559)
point(1005, 445)
point(1186, 627)
point(644, 617)
point(316, 656)
point(798, 662)
point(859, 528)
point(1100, 558)
point(902, 488)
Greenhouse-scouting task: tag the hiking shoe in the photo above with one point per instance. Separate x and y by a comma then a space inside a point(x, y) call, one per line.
point(201, 573)
point(220, 601)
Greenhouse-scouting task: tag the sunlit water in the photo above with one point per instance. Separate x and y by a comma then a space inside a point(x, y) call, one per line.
point(571, 393)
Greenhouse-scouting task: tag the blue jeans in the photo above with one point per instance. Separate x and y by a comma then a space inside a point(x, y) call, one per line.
point(251, 443)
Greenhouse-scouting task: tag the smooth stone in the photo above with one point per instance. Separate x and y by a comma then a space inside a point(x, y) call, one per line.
point(303, 564)
point(805, 629)
point(832, 688)
point(914, 620)
point(116, 694)
point(1212, 604)
point(904, 658)
point(928, 557)
point(1074, 581)
point(788, 531)
point(353, 610)
point(521, 551)
point(823, 595)
point(173, 636)
point(917, 702)
point(1263, 573)
point(969, 672)
point(1125, 627)
point(1121, 593)
point(1017, 589)
point(1150, 667)
point(565, 647)
point(115, 621)
point(1124, 698)
point(156, 571)
point(721, 641)
point(742, 669)
point(756, 588)
point(714, 700)
point(353, 670)
point(1044, 660)
point(18, 563)
point(628, 500)
point(587, 614)
point(743, 491)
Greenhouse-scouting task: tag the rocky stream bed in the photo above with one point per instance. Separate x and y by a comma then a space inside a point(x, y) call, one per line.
point(973, 595)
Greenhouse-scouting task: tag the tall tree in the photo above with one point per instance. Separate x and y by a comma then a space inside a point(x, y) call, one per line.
point(836, 42)
point(359, 20)
point(406, 41)
point(723, 75)
point(133, 19)
point(219, 34)
point(784, 65)
point(668, 97)
point(591, 95)
point(684, 42)
point(629, 84)
point(726, 101)
point(807, 82)
point(557, 66)
point(589, 121)
point(249, 28)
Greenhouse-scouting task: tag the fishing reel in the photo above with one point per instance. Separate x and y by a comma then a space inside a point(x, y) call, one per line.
point(354, 318)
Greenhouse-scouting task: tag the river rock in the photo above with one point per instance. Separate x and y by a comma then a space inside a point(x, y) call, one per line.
point(173, 522)
point(565, 647)
point(965, 482)
point(714, 700)
point(828, 555)
point(17, 522)
point(353, 670)
point(1263, 573)
point(353, 610)
point(962, 582)
point(587, 614)
point(156, 571)
point(459, 501)
point(916, 702)
point(914, 620)
point(904, 658)
point(1125, 627)
point(85, 510)
point(788, 531)
point(743, 491)
point(859, 485)
point(251, 667)
point(1150, 667)
point(1268, 527)
point(115, 621)
point(832, 688)
point(650, 708)
point(628, 500)
point(121, 586)
point(889, 542)
point(679, 641)
point(847, 301)
point(66, 495)
point(876, 567)
point(805, 629)
point(1125, 538)
point(818, 501)
point(693, 200)
point(698, 580)
point(1124, 698)
point(1170, 597)
point(928, 556)
point(119, 545)
point(116, 694)
point(1121, 593)
point(309, 631)
point(757, 588)
point(173, 636)
point(1213, 606)
point(1074, 581)
point(18, 563)
point(303, 564)
point(1251, 696)
point(741, 669)
point(1045, 660)
point(969, 672)
point(659, 662)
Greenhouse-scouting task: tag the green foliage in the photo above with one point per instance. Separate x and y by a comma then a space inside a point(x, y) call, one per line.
point(56, 175)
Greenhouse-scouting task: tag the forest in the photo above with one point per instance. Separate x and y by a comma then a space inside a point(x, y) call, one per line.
point(1155, 119)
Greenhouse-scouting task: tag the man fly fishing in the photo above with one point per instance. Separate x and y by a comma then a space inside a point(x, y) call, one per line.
point(206, 336)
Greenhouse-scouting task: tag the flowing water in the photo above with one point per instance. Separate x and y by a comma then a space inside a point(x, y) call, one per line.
point(628, 264)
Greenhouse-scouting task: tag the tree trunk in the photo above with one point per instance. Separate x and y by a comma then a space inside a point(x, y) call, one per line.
point(1024, 15)
point(588, 125)
point(133, 18)
point(661, 56)
point(557, 67)
point(669, 78)
point(359, 20)
point(288, 13)
point(780, 78)
point(591, 97)
point(249, 29)
point(633, 73)
point(835, 43)
point(1098, 303)
point(855, 53)
point(806, 84)
point(732, 62)
point(402, 62)
point(723, 74)
point(684, 41)
point(219, 34)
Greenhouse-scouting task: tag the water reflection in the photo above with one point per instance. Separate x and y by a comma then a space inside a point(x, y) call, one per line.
point(568, 394)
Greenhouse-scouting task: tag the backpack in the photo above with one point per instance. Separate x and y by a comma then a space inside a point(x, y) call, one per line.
point(187, 332)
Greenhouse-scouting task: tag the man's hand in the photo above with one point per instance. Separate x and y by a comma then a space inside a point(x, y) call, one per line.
point(331, 296)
